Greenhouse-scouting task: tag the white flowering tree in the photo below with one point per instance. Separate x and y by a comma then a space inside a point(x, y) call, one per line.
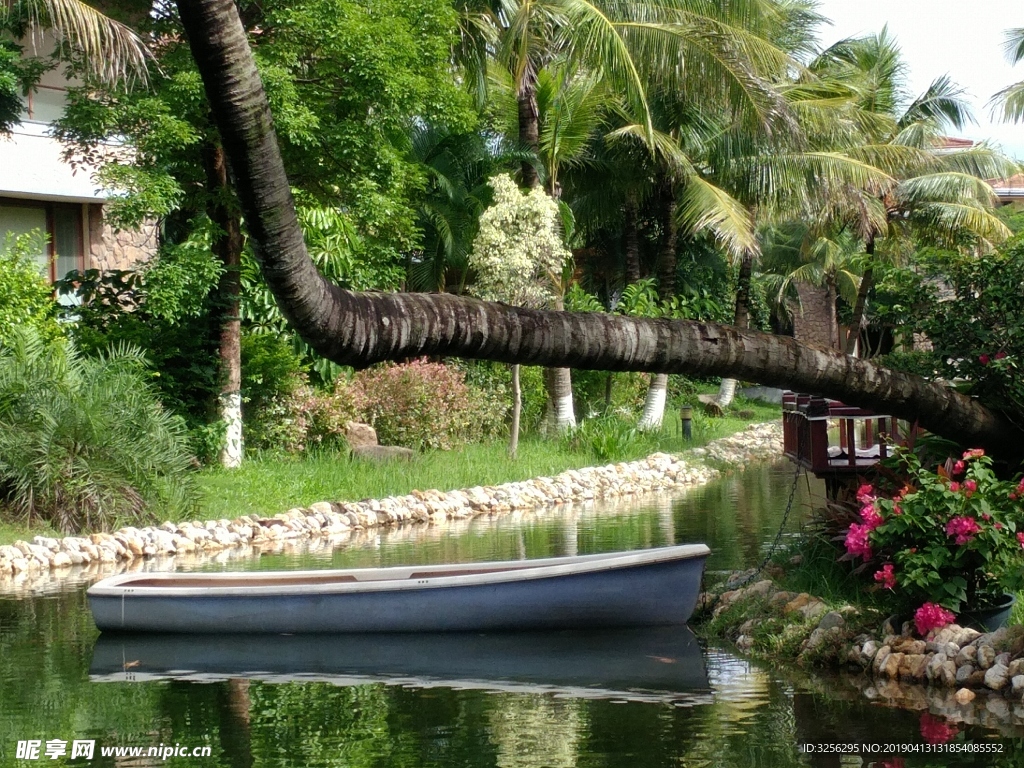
point(518, 256)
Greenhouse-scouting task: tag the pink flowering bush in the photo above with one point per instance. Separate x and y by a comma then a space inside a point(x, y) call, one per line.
point(945, 540)
point(421, 404)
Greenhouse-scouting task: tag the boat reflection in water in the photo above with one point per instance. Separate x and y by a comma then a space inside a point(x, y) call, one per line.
point(662, 664)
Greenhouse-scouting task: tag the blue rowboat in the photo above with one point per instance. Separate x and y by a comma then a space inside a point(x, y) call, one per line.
point(636, 664)
point(620, 589)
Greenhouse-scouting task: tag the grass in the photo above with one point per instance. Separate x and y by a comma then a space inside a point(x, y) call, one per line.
point(266, 485)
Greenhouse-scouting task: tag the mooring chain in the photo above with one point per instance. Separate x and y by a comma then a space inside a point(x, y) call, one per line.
point(778, 536)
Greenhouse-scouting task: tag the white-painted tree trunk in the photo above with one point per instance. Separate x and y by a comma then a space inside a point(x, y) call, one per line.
point(560, 415)
point(654, 404)
point(231, 414)
point(726, 392)
point(517, 409)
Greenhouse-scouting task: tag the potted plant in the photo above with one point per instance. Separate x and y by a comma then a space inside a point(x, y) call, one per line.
point(948, 542)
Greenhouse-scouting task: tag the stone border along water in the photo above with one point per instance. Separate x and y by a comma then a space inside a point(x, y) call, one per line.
point(959, 673)
point(47, 564)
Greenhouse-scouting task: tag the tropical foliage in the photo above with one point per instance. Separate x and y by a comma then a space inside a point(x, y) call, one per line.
point(84, 443)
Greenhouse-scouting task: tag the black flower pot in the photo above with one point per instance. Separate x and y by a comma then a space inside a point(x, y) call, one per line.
point(988, 618)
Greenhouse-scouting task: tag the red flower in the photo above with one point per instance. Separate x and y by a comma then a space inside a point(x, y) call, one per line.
point(998, 526)
point(897, 509)
point(970, 486)
point(932, 616)
point(983, 359)
point(958, 468)
point(964, 528)
point(935, 730)
point(974, 453)
point(1000, 355)
point(954, 487)
point(1020, 538)
point(886, 577)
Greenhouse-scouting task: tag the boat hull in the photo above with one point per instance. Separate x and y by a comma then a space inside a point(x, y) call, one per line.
point(662, 592)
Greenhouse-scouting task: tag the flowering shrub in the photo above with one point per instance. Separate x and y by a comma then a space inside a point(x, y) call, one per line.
point(423, 404)
point(945, 538)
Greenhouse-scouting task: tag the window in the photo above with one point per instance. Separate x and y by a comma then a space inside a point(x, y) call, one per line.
point(61, 222)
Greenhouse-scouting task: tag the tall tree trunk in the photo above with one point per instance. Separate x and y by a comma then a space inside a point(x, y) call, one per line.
point(529, 124)
point(741, 319)
point(517, 410)
point(657, 393)
point(867, 281)
point(632, 237)
point(228, 248)
point(832, 313)
point(559, 415)
point(363, 328)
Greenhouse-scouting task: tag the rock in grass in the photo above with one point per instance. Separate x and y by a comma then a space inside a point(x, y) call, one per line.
point(380, 453)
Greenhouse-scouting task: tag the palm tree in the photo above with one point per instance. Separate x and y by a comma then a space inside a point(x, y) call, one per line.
point(1011, 98)
point(934, 193)
point(363, 328)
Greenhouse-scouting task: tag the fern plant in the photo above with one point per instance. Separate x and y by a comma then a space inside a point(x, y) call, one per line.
point(84, 442)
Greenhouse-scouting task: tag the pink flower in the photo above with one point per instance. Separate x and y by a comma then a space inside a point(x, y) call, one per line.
point(970, 486)
point(932, 616)
point(886, 577)
point(871, 517)
point(974, 453)
point(998, 526)
point(983, 359)
point(935, 730)
point(866, 493)
point(954, 487)
point(958, 468)
point(857, 541)
point(897, 509)
point(1000, 355)
point(964, 528)
point(1020, 486)
point(1020, 538)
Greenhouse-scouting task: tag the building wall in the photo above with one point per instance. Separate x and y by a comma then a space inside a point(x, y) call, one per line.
point(111, 249)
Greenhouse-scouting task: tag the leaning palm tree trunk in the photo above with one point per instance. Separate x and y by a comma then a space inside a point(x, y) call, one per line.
point(363, 328)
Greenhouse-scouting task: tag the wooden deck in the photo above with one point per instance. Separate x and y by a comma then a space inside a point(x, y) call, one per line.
point(863, 437)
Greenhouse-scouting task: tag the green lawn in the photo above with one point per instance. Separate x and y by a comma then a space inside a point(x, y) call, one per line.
point(272, 484)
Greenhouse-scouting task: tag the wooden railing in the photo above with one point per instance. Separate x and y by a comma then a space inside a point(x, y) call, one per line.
point(864, 437)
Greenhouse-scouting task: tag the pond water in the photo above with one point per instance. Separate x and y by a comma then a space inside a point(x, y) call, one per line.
point(636, 699)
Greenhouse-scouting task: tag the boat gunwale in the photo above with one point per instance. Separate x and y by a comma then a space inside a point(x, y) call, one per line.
point(395, 578)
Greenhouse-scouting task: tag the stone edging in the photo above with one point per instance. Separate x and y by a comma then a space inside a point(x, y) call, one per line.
point(970, 676)
point(130, 548)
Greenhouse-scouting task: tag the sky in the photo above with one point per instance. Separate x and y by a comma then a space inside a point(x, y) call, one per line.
point(963, 38)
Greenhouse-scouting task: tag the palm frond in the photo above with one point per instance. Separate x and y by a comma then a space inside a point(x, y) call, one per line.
point(703, 207)
point(110, 50)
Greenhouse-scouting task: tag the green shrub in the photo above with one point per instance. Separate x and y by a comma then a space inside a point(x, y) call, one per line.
point(272, 376)
point(609, 437)
point(26, 299)
point(84, 442)
point(426, 405)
